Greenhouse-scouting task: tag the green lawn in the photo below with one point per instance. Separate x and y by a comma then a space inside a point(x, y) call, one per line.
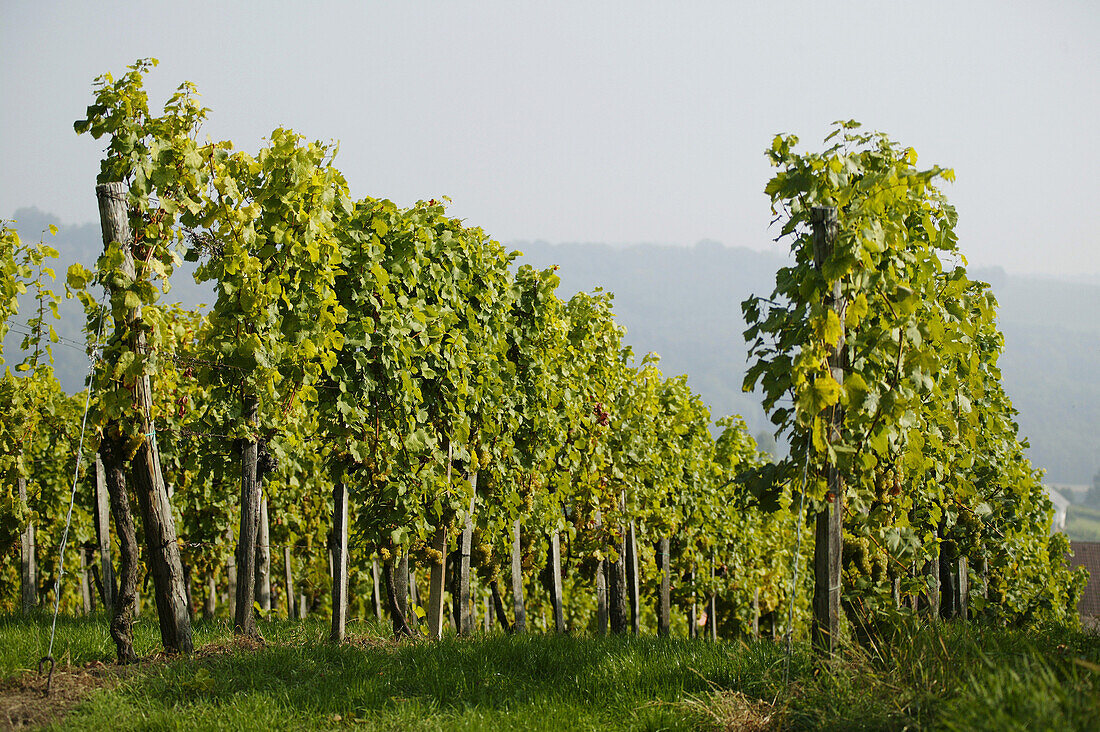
point(945, 677)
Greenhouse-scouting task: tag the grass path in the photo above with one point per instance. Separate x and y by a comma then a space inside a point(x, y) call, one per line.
point(961, 677)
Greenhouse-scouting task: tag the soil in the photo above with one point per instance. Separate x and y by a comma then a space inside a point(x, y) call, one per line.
point(25, 705)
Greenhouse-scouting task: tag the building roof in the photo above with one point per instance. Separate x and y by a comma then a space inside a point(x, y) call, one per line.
point(1087, 554)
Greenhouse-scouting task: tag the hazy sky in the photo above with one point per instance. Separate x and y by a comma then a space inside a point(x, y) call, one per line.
point(595, 121)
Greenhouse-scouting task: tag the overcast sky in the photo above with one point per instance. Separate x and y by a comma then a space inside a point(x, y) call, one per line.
point(596, 121)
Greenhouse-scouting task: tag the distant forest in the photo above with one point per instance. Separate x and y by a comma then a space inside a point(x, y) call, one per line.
point(684, 303)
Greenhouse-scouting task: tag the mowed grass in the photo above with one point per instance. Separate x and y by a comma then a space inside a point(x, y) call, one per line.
point(952, 676)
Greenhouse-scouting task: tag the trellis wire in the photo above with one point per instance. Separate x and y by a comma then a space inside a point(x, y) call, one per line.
point(69, 518)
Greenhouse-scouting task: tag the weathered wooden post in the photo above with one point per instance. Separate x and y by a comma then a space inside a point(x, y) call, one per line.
point(414, 599)
point(693, 611)
point(664, 602)
point(755, 613)
point(948, 598)
point(962, 588)
point(28, 570)
point(86, 562)
point(210, 606)
point(288, 574)
point(376, 591)
point(712, 603)
point(633, 585)
point(601, 586)
point(263, 559)
point(463, 606)
point(102, 518)
point(518, 605)
point(339, 561)
point(437, 579)
point(160, 531)
point(245, 619)
point(231, 579)
point(829, 535)
point(553, 561)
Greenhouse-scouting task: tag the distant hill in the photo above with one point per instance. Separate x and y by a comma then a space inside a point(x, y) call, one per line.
point(684, 303)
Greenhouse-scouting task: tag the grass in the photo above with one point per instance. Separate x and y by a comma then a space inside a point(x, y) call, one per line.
point(939, 677)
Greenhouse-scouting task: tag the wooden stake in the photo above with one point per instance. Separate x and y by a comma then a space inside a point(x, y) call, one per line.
point(554, 561)
point(288, 571)
point(664, 602)
point(437, 584)
point(632, 584)
point(211, 604)
point(518, 606)
point(376, 593)
point(263, 559)
point(712, 604)
point(755, 613)
point(28, 573)
point(245, 619)
point(102, 518)
point(601, 587)
point(339, 561)
point(829, 533)
point(231, 578)
point(463, 611)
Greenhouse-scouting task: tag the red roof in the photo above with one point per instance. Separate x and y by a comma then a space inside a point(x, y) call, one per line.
point(1087, 554)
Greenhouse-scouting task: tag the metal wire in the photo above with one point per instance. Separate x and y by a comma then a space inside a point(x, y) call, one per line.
point(69, 518)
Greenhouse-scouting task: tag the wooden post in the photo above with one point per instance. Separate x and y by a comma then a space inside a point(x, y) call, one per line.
point(616, 590)
point(932, 582)
point(401, 584)
point(102, 520)
point(463, 611)
point(554, 562)
point(188, 589)
point(828, 539)
point(632, 583)
point(664, 601)
point(376, 593)
point(28, 573)
point(86, 562)
point(617, 579)
point(437, 586)
point(160, 530)
point(413, 593)
point(948, 599)
point(339, 561)
point(518, 606)
point(211, 605)
point(231, 578)
point(245, 619)
point(437, 580)
point(962, 590)
point(263, 559)
point(712, 605)
point(601, 587)
point(755, 613)
point(693, 611)
point(288, 570)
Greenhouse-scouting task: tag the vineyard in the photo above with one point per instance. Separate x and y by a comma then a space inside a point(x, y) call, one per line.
point(381, 416)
